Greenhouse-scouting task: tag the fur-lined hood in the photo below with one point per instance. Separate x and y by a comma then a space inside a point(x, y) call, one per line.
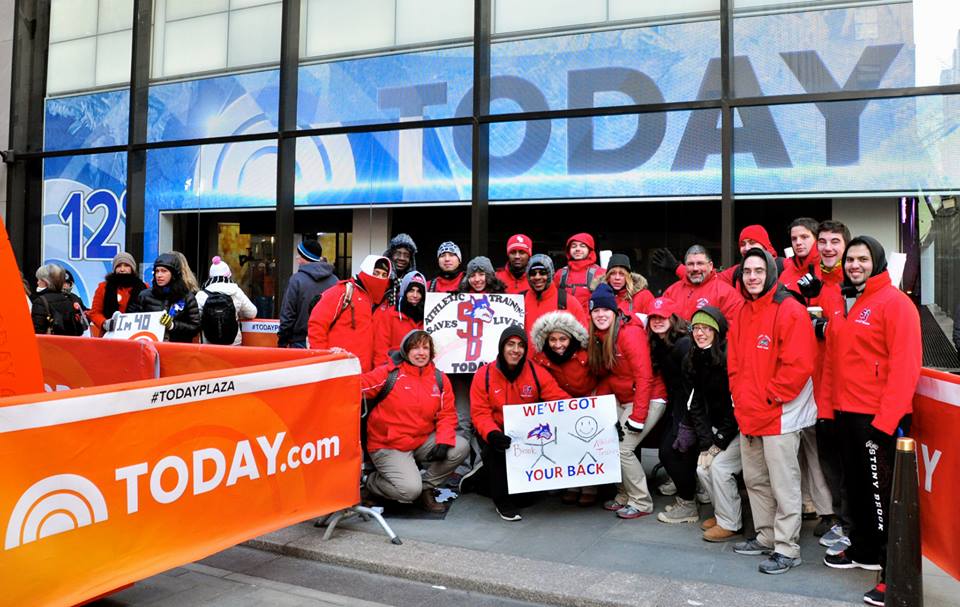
point(557, 321)
point(639, 283)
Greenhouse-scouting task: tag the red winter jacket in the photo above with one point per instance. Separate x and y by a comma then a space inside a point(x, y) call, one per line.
point(515, 285)
point(412, 411)
point(874, 354)
point(573, 375)
point(631, 378)
point(353, 330)
point(537, 304)
point(445, 285)
point(486, 405)
point(713, 291)
point(578, 279)
point(831, 301)
point(770, 362)
point(794, 269)
point(390, 326)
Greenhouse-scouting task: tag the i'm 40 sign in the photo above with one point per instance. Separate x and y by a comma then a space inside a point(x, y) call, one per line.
point(83, 229)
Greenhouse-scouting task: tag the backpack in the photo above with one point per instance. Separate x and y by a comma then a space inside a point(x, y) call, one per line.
point(347, 303)
point(218, 320)
point(591, 272)
point(64, 315)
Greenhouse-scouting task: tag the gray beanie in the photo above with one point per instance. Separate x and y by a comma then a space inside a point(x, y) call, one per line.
point(124, 257)
point(480, 264)
point(541, 261)
point(449, 247)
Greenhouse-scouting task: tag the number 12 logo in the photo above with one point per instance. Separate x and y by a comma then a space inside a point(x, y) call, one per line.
point(72, 214)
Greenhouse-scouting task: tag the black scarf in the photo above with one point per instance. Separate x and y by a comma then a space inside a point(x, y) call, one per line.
point(449, 275)
point(559, 359)
point(175, 290)
point(114, 282)
point(415, 312)
point(510, 374)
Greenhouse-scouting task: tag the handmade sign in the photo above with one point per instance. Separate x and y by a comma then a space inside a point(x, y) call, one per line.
point(466, 328)
point(560, 444)
point(142, 326)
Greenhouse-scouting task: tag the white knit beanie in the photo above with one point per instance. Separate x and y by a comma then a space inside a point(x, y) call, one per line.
point(219, 268)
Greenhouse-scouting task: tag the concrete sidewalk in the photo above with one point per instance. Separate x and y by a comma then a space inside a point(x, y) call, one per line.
point(582, 556)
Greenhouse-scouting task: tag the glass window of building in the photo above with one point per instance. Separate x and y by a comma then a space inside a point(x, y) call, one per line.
point(89, 44)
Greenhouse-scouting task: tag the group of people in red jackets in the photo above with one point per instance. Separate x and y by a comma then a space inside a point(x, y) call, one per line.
point(797, 373)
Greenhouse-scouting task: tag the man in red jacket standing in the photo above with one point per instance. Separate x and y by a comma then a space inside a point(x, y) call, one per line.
point(806, 258)
point(703, 287)
point(514, 273)
point(543, 296)
point(343, 318)
point(874, 355)
point(582, 268)
point(770, 363)
point(450, 262)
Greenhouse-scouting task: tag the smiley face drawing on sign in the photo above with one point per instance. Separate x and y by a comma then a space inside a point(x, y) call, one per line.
point(586, 429)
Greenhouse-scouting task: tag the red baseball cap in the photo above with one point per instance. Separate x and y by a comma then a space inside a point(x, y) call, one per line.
point(663, 307)
point(520, 241)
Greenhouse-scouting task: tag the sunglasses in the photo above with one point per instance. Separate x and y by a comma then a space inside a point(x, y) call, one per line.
point(539, 273)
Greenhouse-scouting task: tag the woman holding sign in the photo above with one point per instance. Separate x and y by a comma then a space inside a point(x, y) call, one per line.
point(413, 421)
point(618, 354)
point(560, 345)
point(170, 294)
point(510, 380)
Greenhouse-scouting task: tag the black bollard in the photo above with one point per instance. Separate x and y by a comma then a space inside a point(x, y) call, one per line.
point(904, 562)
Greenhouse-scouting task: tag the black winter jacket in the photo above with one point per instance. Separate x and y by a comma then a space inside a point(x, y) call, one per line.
point(667, 362)
point(304, 287)
point(186, 324)
point(711, 409)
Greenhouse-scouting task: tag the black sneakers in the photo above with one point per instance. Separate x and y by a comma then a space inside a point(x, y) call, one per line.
point(843, 561)
point(509, 513)
point(876, 595)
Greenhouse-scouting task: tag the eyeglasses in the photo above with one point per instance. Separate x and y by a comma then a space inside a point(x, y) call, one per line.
point(539, 273)
point(701, 328)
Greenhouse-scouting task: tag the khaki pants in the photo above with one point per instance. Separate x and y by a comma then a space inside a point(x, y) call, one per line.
point(771, 471)
point(720, 481)
point(632, 490)
point(397, 475)
point(813, 483)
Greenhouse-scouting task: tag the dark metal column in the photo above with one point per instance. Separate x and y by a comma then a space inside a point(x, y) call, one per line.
point(479, 210)
point(137, 127)
point(728, 244)
point(31, 37)
point(286, 143)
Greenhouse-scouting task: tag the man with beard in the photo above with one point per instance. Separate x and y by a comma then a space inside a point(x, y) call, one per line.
point(514, 273)
point(703, 287)
point(115, 292)
point(874, 356)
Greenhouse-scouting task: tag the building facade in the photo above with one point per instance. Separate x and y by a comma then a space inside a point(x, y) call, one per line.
point(238, 127)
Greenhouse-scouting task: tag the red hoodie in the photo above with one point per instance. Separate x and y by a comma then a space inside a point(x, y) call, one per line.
point(390, 326)
point(713, 291)
point(874, 354)
point(631, 378)
point(412, 411)
point(514, 285)
point(486, 405)
point(831, 301)
point(578, 279)
point(353, 330)
point(770, 363)
point(537, 304)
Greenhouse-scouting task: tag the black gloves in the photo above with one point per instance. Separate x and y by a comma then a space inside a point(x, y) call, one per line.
point(438, 453)
point(498, 440)
point(633, 426)
point(664, 259)
point(820, 328)
point(620, 434)
point(809, 285)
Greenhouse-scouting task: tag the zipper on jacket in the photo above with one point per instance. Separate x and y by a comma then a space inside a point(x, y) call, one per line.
point(876, 369)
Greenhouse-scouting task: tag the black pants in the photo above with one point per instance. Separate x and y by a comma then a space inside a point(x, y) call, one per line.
point(828, 451)
point(495, 467)
point(682, 467)
point(867, 457)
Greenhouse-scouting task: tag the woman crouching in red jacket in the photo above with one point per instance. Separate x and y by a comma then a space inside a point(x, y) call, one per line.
point(619, 356)
point(415, 423)
point(560, 346)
